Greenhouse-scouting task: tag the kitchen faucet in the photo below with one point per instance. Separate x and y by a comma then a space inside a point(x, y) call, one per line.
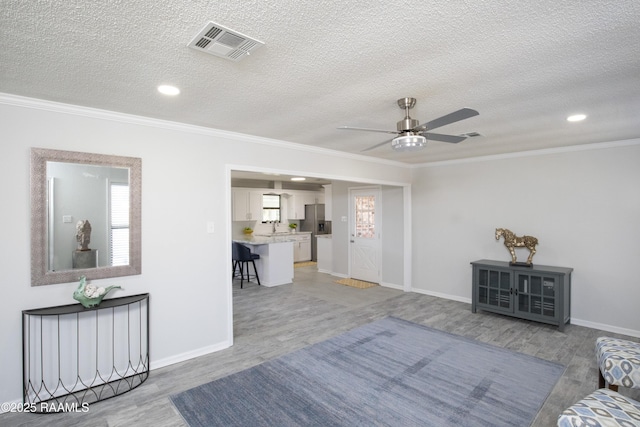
point(273, 230)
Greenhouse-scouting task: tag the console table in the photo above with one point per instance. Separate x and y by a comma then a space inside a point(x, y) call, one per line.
point(74, 356)
point(541, 293)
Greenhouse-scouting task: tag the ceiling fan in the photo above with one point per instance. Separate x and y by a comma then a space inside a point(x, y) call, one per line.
point(413, 135)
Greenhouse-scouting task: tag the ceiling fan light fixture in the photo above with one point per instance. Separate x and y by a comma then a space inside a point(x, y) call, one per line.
point(409, 143)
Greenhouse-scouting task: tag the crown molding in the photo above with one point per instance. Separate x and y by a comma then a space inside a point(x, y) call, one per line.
point(58, 107)
point(534, 153)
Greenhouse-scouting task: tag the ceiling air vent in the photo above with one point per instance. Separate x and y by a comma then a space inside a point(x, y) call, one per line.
point(217, 40)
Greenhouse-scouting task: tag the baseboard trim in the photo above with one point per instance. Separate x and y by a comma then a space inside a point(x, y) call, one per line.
point(182, 357)
point(441, 295)
point(607, 328)
point(392, 286)
point(574, 321)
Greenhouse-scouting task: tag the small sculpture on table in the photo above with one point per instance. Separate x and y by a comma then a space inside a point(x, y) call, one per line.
point(511, 241)
point(90, 295)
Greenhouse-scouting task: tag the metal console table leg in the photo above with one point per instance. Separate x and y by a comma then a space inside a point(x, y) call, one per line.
point(74, 356)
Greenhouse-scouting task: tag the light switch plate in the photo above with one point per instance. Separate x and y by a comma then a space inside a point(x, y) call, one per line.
point(67, 219)
point(210, 227)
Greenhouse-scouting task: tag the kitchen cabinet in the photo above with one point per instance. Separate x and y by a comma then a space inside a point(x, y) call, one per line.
point(295, 205)
point(540, 293)
point(302, 247)
point(325, 253)
point(328, 205)
point(247, 205)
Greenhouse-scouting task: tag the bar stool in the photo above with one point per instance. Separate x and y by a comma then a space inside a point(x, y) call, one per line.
point(242, 256)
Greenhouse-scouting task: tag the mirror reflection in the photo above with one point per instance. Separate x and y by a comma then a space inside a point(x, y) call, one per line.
point(85, 216)
point(88, 216)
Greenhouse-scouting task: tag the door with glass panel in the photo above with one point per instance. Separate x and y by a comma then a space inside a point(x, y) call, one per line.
point(364, 234)
point(537, 295)
point(494, 289)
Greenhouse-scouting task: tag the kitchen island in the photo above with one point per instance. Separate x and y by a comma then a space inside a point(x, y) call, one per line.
point(275, 266)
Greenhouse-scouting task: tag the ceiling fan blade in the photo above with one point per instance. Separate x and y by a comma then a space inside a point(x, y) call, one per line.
point(368, 130)
point(377, 145)
point(444, 138)
point(461, 114)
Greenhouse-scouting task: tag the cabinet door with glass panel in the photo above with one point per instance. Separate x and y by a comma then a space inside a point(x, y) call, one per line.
point(537, 295)
point(494, 289)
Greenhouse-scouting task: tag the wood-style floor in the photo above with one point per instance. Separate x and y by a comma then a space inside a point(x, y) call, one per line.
point(269, 322)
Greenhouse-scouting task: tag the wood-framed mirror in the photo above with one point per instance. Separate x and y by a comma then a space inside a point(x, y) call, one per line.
point(69, 188)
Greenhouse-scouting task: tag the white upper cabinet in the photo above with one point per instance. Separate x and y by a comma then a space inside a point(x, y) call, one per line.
point(296, 202)
point(247, 205)
point(295, 206)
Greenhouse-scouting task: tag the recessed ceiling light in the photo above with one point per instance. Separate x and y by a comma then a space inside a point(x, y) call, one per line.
point(298, 178)
point(168, 90)
point(576, 118)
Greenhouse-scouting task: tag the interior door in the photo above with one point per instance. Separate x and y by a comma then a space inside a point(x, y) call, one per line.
point(365, 234)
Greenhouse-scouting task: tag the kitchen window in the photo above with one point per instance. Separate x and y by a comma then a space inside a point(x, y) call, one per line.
point(270, 207)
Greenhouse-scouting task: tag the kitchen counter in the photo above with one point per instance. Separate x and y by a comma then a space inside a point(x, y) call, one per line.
point(265, 239)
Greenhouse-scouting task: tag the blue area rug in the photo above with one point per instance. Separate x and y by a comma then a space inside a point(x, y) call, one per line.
point(387, 373)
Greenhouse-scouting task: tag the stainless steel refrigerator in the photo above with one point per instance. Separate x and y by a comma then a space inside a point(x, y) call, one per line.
point(315, 223)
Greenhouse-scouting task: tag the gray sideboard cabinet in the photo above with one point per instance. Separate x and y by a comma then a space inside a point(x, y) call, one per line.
point(541, 293)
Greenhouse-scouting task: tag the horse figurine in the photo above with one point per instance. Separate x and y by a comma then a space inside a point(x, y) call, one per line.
point(511, 241)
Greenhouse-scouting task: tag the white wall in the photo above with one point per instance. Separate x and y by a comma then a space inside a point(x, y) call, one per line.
point(339, 228)
point(392, 237)
point(583, 205)
point(185, 184)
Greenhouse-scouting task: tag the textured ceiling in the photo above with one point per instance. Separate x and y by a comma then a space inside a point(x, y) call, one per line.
point(524, 66)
